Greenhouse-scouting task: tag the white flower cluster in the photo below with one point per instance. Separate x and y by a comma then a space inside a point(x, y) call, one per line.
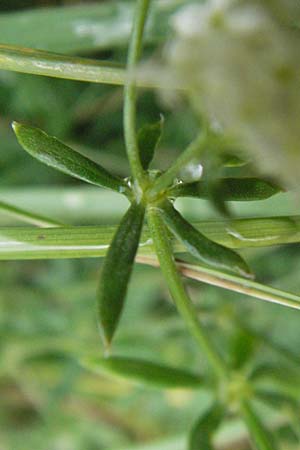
point(240, 61)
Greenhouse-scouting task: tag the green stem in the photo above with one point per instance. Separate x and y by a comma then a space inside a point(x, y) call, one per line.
point(134, 51)
point(39, 62)
point(66, 67)
point(193, 150)
point(261, 437)
point(184, 305)
point(25, 243)
point(28, 217)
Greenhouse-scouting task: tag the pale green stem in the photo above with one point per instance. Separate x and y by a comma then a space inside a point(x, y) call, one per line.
point(55, 65)
point(38, 62)
point(134, 51)
point(21, 243)
point(28, 217)
point(194, 150)
point(184, 304)
point(232, 283)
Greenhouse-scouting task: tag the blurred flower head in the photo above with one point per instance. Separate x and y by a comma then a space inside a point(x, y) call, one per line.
point(241, 65)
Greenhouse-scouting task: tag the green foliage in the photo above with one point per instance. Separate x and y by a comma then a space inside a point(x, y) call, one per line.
point(54, 153)
point(200, 247)
point(148, 139)
point(261, 437)
point(249, 367)
point(231, 189)
point(202, 432)
point(144, 372)
point(117, 269)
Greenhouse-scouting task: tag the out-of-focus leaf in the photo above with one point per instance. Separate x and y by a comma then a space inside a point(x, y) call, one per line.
point(259, 434)
point(242, 347)
point(54, 153)
point(82, 28)
point(117, 269)
point(201, 435)
point(232, 189)
point(230, 160)
point(200, 247)
point(144, 372)
point(148, 139)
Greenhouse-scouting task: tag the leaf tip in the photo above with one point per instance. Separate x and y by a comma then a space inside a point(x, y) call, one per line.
point(107, 346)
point(16, 126)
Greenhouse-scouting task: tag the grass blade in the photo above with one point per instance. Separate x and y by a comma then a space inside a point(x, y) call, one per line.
point(233, 189)
point(93, 241)
point(117, 269)
point(28, 217)
point(53, 153)
point(232, 283)
point(144, 372)
point(200, 247)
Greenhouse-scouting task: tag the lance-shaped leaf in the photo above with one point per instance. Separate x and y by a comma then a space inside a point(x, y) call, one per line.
point(117, 269)
point(232, 189)
point(260, 436)
point(54, 153)
point(202, 432)
point(242, 348)
point(201, 247)
point(148, 139)
point(144, 372)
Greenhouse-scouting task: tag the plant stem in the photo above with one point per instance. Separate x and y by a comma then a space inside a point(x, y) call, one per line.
point(193, 150)
point(28, 243)
point(38, 62)
point(134, 51)
point(261, 437)
point(179, 294)
point(66, 67)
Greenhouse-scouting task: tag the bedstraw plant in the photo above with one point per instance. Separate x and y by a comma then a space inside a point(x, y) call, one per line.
point(169, 241)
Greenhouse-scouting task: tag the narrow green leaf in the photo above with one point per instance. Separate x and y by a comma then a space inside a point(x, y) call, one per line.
point(202, 432)
point(200, 247)
point(259, 434)
point(242, 347)
point(54, 153)
point(81, 28)
point(232, 189)
point(117, 269)
point(148, 139)
point(144, 372)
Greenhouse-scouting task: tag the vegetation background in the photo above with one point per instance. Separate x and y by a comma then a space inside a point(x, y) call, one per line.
point(47, 308)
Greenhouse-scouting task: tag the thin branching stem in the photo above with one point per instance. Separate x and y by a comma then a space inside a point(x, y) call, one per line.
point(184, 304)
point(195, 149)
point(134, 51)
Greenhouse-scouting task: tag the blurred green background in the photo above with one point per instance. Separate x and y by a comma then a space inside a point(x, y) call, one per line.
point(47, 308)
